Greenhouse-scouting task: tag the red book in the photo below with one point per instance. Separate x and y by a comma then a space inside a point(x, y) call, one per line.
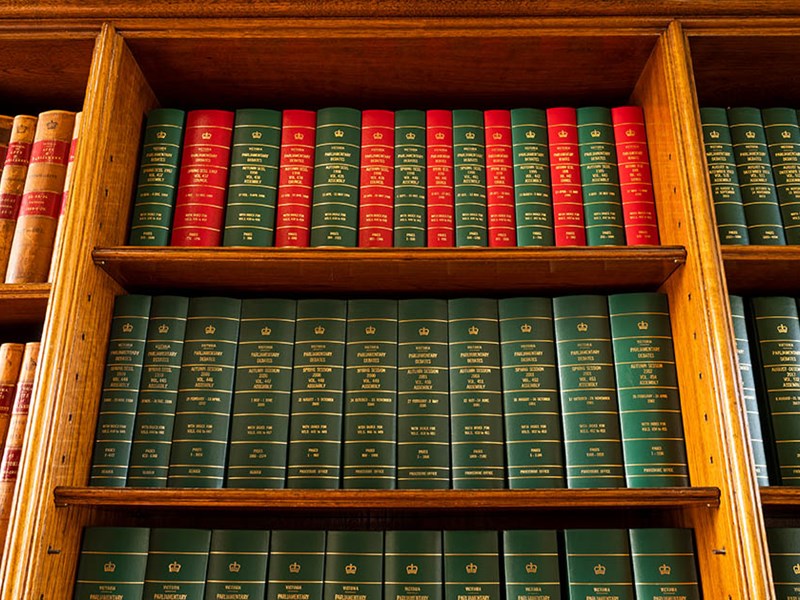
point(376, 185)
point(296, 178)
point(499, 179)
point(203, 179)
point(635, 180)
point(441, 196)
point(565, 175)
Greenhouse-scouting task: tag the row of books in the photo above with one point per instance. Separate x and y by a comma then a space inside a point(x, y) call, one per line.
point(406, 178)
point(784, 555)
point(753, 159)
point(197, 564)
point(34, 191)
point(520, 392)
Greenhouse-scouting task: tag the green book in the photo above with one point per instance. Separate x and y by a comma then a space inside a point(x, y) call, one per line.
point(205, 391)
point(409, 178)
point(112, 563)
point(532, 195)
point(177, 564)
point(155, 414)
point(120, 394)
point(158, 178)
point(725, 191)
point(531, 564)
point(423, 395)
point(476, 397)
point(237, 565)
point(745, 365)
point(760, 199)
point(530, 394)
point(598, 564)
point(784, 556)
point(315, 425)
point(778, 333)
point(469, 177)
point(471, 565)
point(413, 565)
point(296, 565)
point(783, 142)
point(262, 394)
point(353, 565)
point(602, 205)
point(647, 387)
point(334, 203)
point(253, 178)
point(664, 564)
point(588, 392)
point(370, 399)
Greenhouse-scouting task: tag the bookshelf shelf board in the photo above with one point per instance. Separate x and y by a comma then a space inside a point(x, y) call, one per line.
point(366, 270)
point(315, 500)
point(23, 303)
point(780, 497)
point(762, 270)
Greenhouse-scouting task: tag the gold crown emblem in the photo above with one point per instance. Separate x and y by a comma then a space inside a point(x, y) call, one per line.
point(643, 325)
point(412, 569)
point(630, 133)
point(234, 567)
point(294, 567)
point(127, 328)
point(563, 133)
point(163, 328)
point(439, 136)
point(471, 568)
point(782, 328)
point(319, 330)
point(175, 567)
point(473, 330)
point(52, 124)
point(206, 135)
point(526, 328)
point(470, 135)
point(531, 567)
point(351, 569)
point(664, 569)
point(266, 331)
point(109, 567)
point(370, 330)
point(796, 569)
point(530, 134)
point(583, 327)
point(256, 135)
point(338, 133)
point(411, 136)
point(786, 135)
point(750, 134)
point(599, 569)
point(497, 136)
point(377, 135)
point(595, 133)
point(714, 134)
point(299, 136)
point(161, 135)
point(210, 330)
point(424, 331)
point(22, 128)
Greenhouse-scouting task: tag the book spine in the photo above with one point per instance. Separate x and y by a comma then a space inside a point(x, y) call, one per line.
point(205, 392)
point(530, 394)
point(471, 565)
point(441, 198)
point(112, 563)
point(784, 556)
point(725, 190)
point(6, 127)
point(237, 564)
point(334, 212)
point(664, 564)
point(203, 179)
point(413, 565)
point(12, 182)
point(353, 565)
point(565, 175)
point(778, 332)
point(296, 564)
point(376, 185)
point(500, 209)
point(315, 424)
point(760, 200)
point(253, 179)
point(65, 196)
point(647, 387)
point(588, 392)
point(598, 564)
point(10, 365)
point(476, 402)
point(531, 564)
point(120, 395)
point(177, 562)
point(783, 141)
point(409, 178)
point(602, 207)
point(532, 190)
point(746, 375)
point(423, 392)
point(635, 178)
point(296, 178)
point(35, 231)
point(158, 392)
point(262, 396)
point(157, 183)
point(469, 177)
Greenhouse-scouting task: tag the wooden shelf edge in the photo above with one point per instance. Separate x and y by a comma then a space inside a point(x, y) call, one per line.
point(23, 303)
point(762, 269)
point(780, 497)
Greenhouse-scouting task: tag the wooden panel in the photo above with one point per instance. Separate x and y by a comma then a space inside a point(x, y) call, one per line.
point(23, 303)
point(762, 270)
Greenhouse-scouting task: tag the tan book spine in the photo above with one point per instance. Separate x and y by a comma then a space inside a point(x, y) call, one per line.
point(73, 148)
point(9, 466)
point(10, 364)
point(12, 182)
point(6, 125)
point(35, 231)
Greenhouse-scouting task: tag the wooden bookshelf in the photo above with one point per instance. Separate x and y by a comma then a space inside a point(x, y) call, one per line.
point(23, 303)
point(762, 270)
